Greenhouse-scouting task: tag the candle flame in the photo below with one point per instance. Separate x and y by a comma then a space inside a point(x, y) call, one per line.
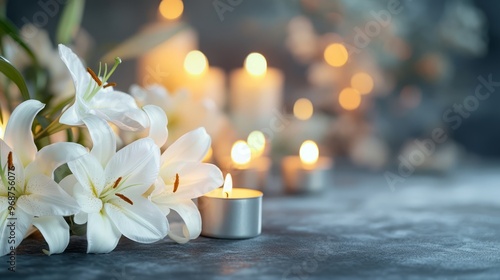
point(256, 64)
point(195, 63)
point(241, 153)
point(257, 143)
point(303, 109)
point(1, 132)
point(171, 9)
point(309, 152)
point(228, 186)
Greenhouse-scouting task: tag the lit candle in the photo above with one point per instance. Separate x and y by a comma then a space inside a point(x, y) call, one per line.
point(248, 171)
point(202, 80)
point(256, 94)
point(162, 64)
point(232, 213)
point(308, 172)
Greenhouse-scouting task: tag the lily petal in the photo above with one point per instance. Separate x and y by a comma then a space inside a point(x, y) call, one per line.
point(55, 230)
point(191, 147)
point(103, 138)
point(141, 222)
point(86, 199)
point(70, 116)
point(68, 183)
point(18, 133)
point(19, 169)
point(52, 156)
point(78, 72)
point(195, 180)
point(191, 228)
point(89, 172)
point(142, 159)
point(157, 124)
point(80, 218)
point(121, 109)
point(102, 234)
point(46, 198)
point(23, 223)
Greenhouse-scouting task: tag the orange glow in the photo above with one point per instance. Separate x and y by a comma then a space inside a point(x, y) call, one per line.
point(303, 109)
point(256, 64)
point(349, 99)
point(362, 82)
point(171, 9)
point(336, 55)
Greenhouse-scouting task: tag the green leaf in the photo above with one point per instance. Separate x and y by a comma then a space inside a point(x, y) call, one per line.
point(70, 21)
point(11, 72)
point(7, 28)
point(144, 41)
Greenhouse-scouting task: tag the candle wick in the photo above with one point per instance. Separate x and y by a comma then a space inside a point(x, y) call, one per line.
point(227, 194)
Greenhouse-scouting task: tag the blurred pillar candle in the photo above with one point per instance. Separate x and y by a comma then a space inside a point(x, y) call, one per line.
point(247, 171)
point(306, 173)
point(203, 81)
point(163, 64)
point(256, 93)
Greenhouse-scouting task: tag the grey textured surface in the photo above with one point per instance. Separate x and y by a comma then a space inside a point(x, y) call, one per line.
point(441, 227)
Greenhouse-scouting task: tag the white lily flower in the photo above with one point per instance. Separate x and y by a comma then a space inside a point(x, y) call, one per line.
point(95, 96)
point(109, 188)
point(28, 194)
point(183, 111)
point(183, 177)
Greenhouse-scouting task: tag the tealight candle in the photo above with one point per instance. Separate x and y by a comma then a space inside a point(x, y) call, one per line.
point(256, 93)
point(202, 80)
point(232, 213)
point(247, 171)
point(307, 173)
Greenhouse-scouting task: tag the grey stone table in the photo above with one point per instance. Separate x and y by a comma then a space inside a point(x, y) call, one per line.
point(428, 227)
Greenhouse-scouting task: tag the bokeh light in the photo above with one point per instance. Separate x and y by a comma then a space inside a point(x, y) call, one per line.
point(336, 55)
point(309, 152)
point(349, 99)
point(257, 143)
point(171, 9)
point(303, 109)
point(256, 64)
point(241, 153)
point(362, 82)
point(195, 63)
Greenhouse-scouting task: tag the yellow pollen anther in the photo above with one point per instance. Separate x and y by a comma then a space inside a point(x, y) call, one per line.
point(10, 162)
point(117, 182)
point(109, 85)
point(94, 76)
point(126, 199)
point(176, 183)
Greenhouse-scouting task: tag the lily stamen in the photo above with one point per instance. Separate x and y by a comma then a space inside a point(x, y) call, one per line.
point(109, 85)
point(94, 76)
point(117, 182)
point(126, 199)
point(176, 183)
point(10, 162)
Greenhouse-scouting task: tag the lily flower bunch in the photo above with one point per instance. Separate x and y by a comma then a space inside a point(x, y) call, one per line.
point(113, 192)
